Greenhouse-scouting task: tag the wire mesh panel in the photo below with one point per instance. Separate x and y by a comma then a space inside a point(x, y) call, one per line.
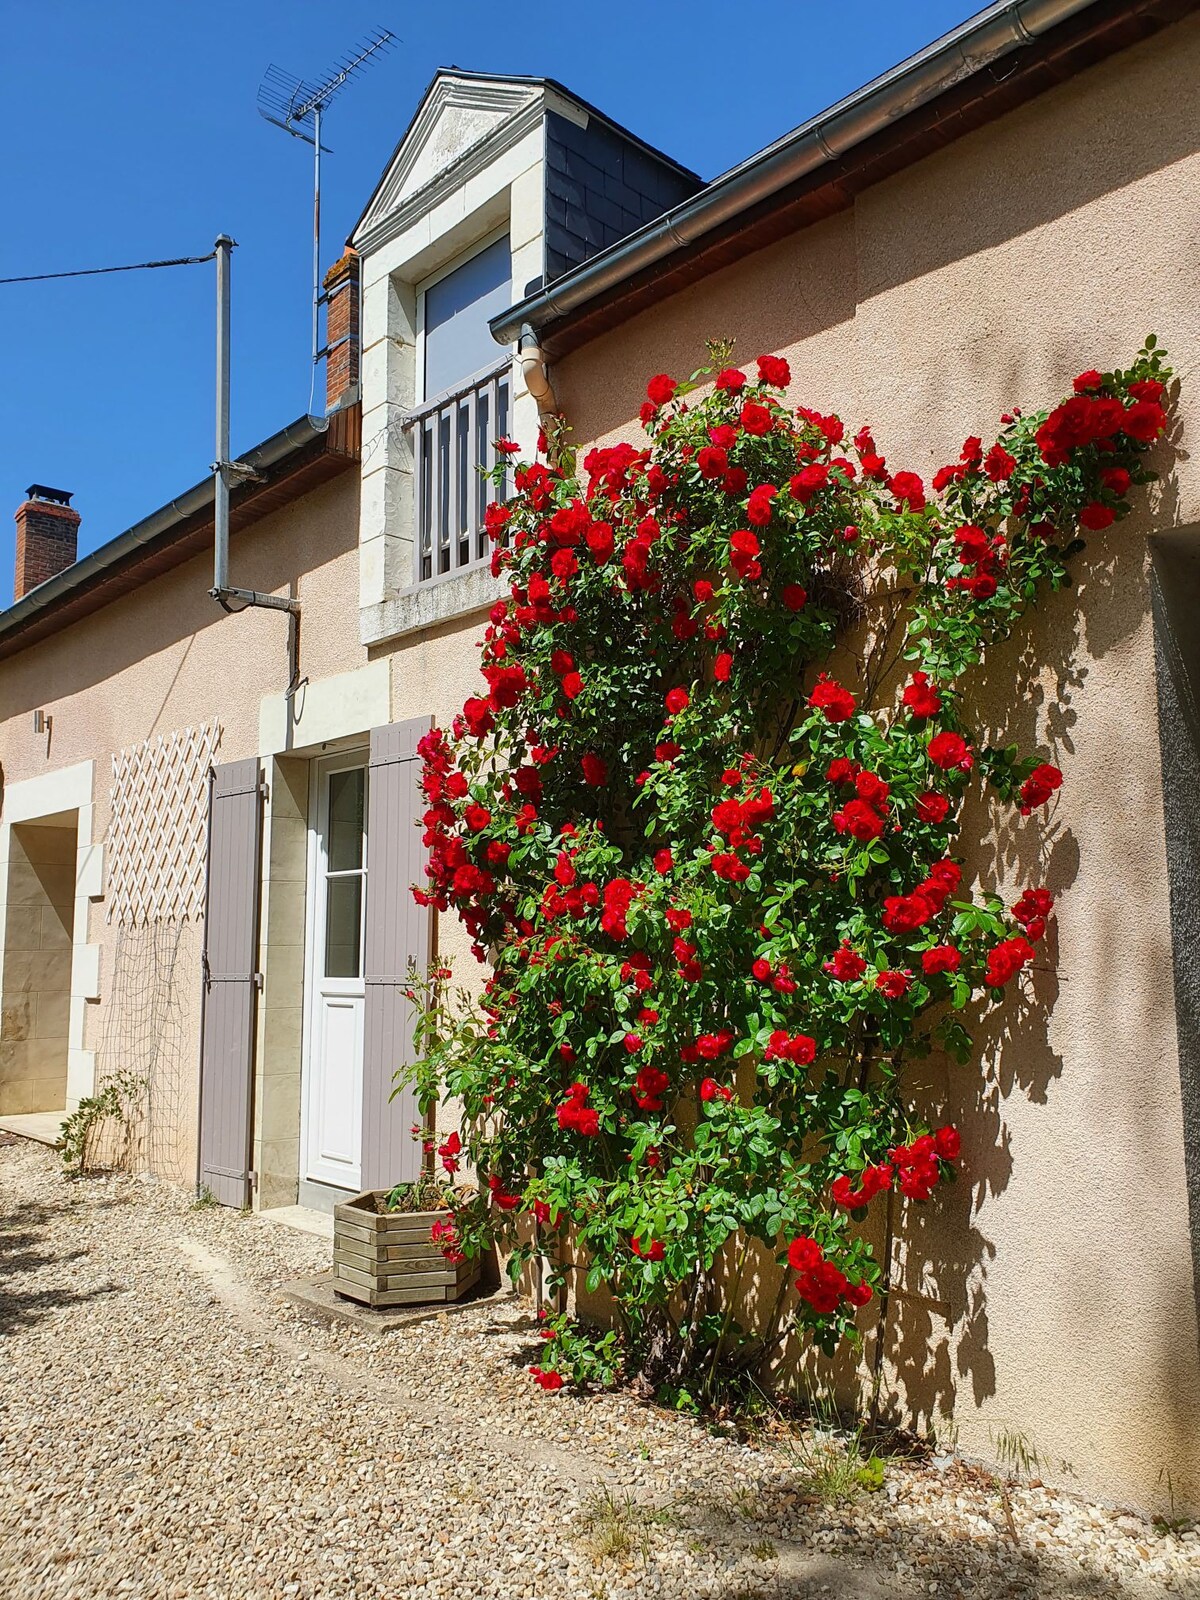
point(454, 444)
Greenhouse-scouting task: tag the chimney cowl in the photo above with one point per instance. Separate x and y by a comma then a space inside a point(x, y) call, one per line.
point(42, 491)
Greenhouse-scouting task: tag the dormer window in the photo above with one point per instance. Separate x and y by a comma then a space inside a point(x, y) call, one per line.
point(499, 185)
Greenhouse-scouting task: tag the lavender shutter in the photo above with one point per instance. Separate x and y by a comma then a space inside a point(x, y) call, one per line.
point(398, 935)
point(231, 980)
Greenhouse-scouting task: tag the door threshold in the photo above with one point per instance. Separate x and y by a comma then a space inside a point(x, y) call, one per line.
point(43, 1127)
point(303, 1219)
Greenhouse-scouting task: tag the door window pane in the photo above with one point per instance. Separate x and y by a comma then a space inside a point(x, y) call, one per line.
point(347, 793)
point(343, 926)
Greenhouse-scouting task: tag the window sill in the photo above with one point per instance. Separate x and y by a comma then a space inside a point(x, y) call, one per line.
point(429, 605)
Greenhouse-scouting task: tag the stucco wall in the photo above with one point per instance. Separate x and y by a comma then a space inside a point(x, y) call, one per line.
point(156, 662)
point(1051, 1294)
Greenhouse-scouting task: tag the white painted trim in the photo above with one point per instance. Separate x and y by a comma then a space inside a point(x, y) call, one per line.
point(328, 709)
point(68, 789)
point(519, 106)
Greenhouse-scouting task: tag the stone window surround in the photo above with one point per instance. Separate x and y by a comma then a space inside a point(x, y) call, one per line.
point(47, 795)
point(497, 184)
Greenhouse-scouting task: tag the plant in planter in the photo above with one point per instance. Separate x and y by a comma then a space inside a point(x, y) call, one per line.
point(398, 1246)
point(707, 821)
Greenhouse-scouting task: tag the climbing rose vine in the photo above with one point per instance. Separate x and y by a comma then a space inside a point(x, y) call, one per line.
point(703, 821)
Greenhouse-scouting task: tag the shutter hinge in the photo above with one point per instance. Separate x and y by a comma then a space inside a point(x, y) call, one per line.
point(258, 981)
point(264, 789)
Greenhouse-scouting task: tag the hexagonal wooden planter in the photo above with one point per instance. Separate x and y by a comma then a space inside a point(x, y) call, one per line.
point(386, 1258)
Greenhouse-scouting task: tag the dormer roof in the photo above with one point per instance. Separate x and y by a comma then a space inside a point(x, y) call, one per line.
point(465, 121)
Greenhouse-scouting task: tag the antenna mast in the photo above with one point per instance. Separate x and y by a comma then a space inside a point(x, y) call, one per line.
point(297, 106)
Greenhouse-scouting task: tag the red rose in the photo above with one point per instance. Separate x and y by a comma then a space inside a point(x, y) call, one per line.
point(845, 964)
point(1147, 389)
point(1086, 381)
point(712, 462)
point(774, 370)
point(758, 507)
point(756, 419)
point(710, 1089)
point(572, 685)
point(660, 389)
point(920, 698)
point(982, 586)
point(795, 597)
point(859, 820)
point(731, 380)
point(595, 771)
point(998, 464)
point(722, 667)
point(600, 541)
point(948, 1143)
point(905, 913)
point(1006, 959)
point(477, 818)
point(761, 969)
point(894, 985)
point(907, 488)
point(950, 752)
point(932, 807)
point(508, 447)
point(829, 697)
point(808, 482)
point(676, 701)
point(703, 590)
point(652, 1250)
point(1038, 787)
point(663, 861)
point(1116, 479)
point(1144, 421)
point(940, 958)
point(1096, 516)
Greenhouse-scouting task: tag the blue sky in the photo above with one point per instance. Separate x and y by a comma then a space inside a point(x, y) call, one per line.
point(132, 134)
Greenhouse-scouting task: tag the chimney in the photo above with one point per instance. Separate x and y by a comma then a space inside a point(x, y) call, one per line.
point(341, 332)
point(47, 537)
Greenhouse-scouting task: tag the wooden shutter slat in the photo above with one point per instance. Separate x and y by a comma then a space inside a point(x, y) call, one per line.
point(231, 980)
point(398, 932)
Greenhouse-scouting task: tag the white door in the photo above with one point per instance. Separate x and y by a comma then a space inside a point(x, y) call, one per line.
point(331, 1115)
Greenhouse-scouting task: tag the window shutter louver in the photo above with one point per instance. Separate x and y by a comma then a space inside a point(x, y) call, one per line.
point(398, 935)
point(231, 980)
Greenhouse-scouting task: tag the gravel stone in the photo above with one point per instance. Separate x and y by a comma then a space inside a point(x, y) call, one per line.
point(172, 1429)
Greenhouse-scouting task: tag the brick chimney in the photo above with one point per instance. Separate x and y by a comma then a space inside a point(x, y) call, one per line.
point(341, 332)
point(47, 537)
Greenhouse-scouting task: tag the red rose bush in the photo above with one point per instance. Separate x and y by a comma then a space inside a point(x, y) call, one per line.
point(702, 820)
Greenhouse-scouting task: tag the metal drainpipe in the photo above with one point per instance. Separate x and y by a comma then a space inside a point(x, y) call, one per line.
point(226, 472)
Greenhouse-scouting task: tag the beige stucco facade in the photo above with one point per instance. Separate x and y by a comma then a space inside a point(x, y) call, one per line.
point(1051, 1297)
point(1052, 1293)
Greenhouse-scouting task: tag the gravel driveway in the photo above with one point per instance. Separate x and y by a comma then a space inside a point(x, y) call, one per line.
point(171, 1429)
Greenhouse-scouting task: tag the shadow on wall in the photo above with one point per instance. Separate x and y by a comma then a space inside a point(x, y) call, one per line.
point(937, 1338)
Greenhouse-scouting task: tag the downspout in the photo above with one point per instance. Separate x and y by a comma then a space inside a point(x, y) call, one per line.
point(226, 473)
point(535, 372)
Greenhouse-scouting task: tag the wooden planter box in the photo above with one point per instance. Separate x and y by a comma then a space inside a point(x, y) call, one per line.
point(388, 1259)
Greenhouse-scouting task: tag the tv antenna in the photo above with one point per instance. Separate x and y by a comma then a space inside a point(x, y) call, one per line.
point(297, 105)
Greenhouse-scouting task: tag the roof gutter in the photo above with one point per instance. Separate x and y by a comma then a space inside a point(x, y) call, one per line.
point(172, 515)
point(1002, 28)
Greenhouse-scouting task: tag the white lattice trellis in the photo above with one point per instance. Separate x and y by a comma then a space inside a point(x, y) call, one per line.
point(156, 835)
